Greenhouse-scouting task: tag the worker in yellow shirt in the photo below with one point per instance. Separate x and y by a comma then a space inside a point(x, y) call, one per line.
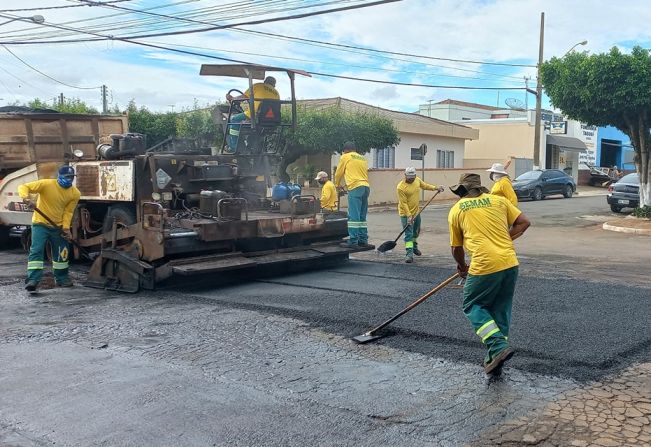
point(261, 90)
point(57, 199)
point(328, 192)
point(353, 169)
point(502, 186)
point(486, 225)
point(408, 206)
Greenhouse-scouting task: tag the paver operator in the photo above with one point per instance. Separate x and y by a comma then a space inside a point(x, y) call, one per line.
point(502, 186)
point(57, 199)
point(261, 90)
point(353, 168)
point(408, 206)
point(486, 225)
point(328, 192)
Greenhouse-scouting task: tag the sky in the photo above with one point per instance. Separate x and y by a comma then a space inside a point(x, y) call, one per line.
point(488, 32)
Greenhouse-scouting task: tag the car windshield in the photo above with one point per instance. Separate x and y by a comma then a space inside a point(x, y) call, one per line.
point(531, 175)
point(630, 178)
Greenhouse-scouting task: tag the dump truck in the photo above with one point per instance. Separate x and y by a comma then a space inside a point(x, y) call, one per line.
point(150, 214)
point(33, 145)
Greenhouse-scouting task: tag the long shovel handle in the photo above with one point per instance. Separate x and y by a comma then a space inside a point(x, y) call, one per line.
point(58, 227)
point(417, 214)
point(414, 304)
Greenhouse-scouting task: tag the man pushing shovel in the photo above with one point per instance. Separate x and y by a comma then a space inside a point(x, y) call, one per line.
point(486, 225)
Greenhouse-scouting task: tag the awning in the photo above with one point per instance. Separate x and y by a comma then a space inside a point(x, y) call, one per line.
point(567, 143)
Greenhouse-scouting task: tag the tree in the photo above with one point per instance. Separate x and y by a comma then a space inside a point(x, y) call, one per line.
point(326, 131)
point(156, 126)
point(197, 123)
point(607, 89)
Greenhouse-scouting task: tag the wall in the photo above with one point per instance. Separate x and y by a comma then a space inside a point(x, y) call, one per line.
point(448, 112)
point(501, 139)
point(623, 155)
point(409, 140)
point(384, 182)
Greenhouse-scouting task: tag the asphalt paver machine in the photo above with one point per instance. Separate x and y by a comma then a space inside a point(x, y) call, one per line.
point(176, 210)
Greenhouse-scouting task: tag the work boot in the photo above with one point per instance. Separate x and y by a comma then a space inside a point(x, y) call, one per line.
point(65, 283)
point(497, 362)
point(30, 286)
point(409, 259)
point(417, 252)
point(366, 246)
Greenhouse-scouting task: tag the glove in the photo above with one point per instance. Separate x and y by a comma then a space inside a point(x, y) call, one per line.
point(441, 188)
point(28, 203)
point(462, 270)
point(66, 234)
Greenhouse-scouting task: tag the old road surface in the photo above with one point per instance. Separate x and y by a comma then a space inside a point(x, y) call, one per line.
point(269, 361)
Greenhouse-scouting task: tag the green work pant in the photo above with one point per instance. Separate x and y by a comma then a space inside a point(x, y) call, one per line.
point(357, 210)
point(60, 252)
point(411, 233)
point(487, 301)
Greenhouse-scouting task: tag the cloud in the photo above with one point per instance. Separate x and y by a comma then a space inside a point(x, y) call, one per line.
point(496, 31)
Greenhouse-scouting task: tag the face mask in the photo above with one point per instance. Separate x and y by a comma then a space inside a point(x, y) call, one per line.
point(64, 181)
point(410, 180)
point(322, 181)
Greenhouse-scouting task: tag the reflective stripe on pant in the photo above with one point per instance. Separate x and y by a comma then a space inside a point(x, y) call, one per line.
point(60, 253)
point(411, 233)
point(487, 301)
point(234, 131)
point(357, 209)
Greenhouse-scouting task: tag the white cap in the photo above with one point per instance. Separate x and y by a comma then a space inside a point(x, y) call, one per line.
point(321, 174)
point(410, 172)
point(497, 168)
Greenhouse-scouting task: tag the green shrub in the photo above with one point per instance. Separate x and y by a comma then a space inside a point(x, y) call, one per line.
point(643, 212)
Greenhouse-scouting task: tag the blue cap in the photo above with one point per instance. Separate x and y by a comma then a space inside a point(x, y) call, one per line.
point(67, 171)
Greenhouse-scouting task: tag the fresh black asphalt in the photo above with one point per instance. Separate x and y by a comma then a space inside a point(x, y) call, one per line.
point(561, 326)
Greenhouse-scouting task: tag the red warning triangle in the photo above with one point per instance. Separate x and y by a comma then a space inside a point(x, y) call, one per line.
point(269, 114)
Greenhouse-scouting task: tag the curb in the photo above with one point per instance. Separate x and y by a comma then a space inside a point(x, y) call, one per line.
point(629, 230)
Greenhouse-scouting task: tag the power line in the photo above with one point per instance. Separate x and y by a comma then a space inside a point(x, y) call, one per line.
point(211, 28)
point(320, 43)
point(46, 75)
point(42, 8)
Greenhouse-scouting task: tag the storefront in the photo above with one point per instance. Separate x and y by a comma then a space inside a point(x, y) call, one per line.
point(563, 153)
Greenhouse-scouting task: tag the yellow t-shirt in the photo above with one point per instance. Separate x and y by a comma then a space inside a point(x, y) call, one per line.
point(502, 187)
point(409, 196)
point(353, 167)
point(260, 91)
point(481, 225)
point(56, 202)
point(329, 196)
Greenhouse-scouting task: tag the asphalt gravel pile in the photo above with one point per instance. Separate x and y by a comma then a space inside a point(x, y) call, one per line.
point(567, 327)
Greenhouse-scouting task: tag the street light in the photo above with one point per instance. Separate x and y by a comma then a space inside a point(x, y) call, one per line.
point(584, 42)
point(38, 19)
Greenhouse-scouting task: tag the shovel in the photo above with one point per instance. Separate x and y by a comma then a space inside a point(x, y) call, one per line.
point(390, 245)
point(370, 335)
point(72, 241)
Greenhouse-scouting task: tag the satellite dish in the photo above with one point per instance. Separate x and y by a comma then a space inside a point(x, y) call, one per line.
point(514, 103)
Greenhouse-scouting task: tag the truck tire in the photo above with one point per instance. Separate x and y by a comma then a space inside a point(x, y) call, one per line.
point(123, 213)
point(4, 236)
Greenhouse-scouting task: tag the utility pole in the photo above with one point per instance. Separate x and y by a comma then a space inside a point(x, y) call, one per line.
point(61, 100)
point(104, 100)
point(536, 135)
point(526, 95)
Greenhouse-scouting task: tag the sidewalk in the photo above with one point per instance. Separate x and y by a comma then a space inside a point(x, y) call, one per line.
point(630, 224)
point(590, 191)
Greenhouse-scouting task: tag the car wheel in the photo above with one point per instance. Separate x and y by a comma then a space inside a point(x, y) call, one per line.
point(615, 209)
point(537, 194)
point(568, 191)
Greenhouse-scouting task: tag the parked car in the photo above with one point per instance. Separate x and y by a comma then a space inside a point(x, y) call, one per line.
point(625, 193)
point(541, 183)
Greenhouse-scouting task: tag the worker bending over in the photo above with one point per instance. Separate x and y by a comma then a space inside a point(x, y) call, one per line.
point(57, 199)
point(408, 208)
point(353, 168)
point(486, 225)
point(502, 186)
point(328, 192)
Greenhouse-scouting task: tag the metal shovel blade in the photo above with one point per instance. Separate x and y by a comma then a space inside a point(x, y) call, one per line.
point(366, 338)
point(386, 246)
